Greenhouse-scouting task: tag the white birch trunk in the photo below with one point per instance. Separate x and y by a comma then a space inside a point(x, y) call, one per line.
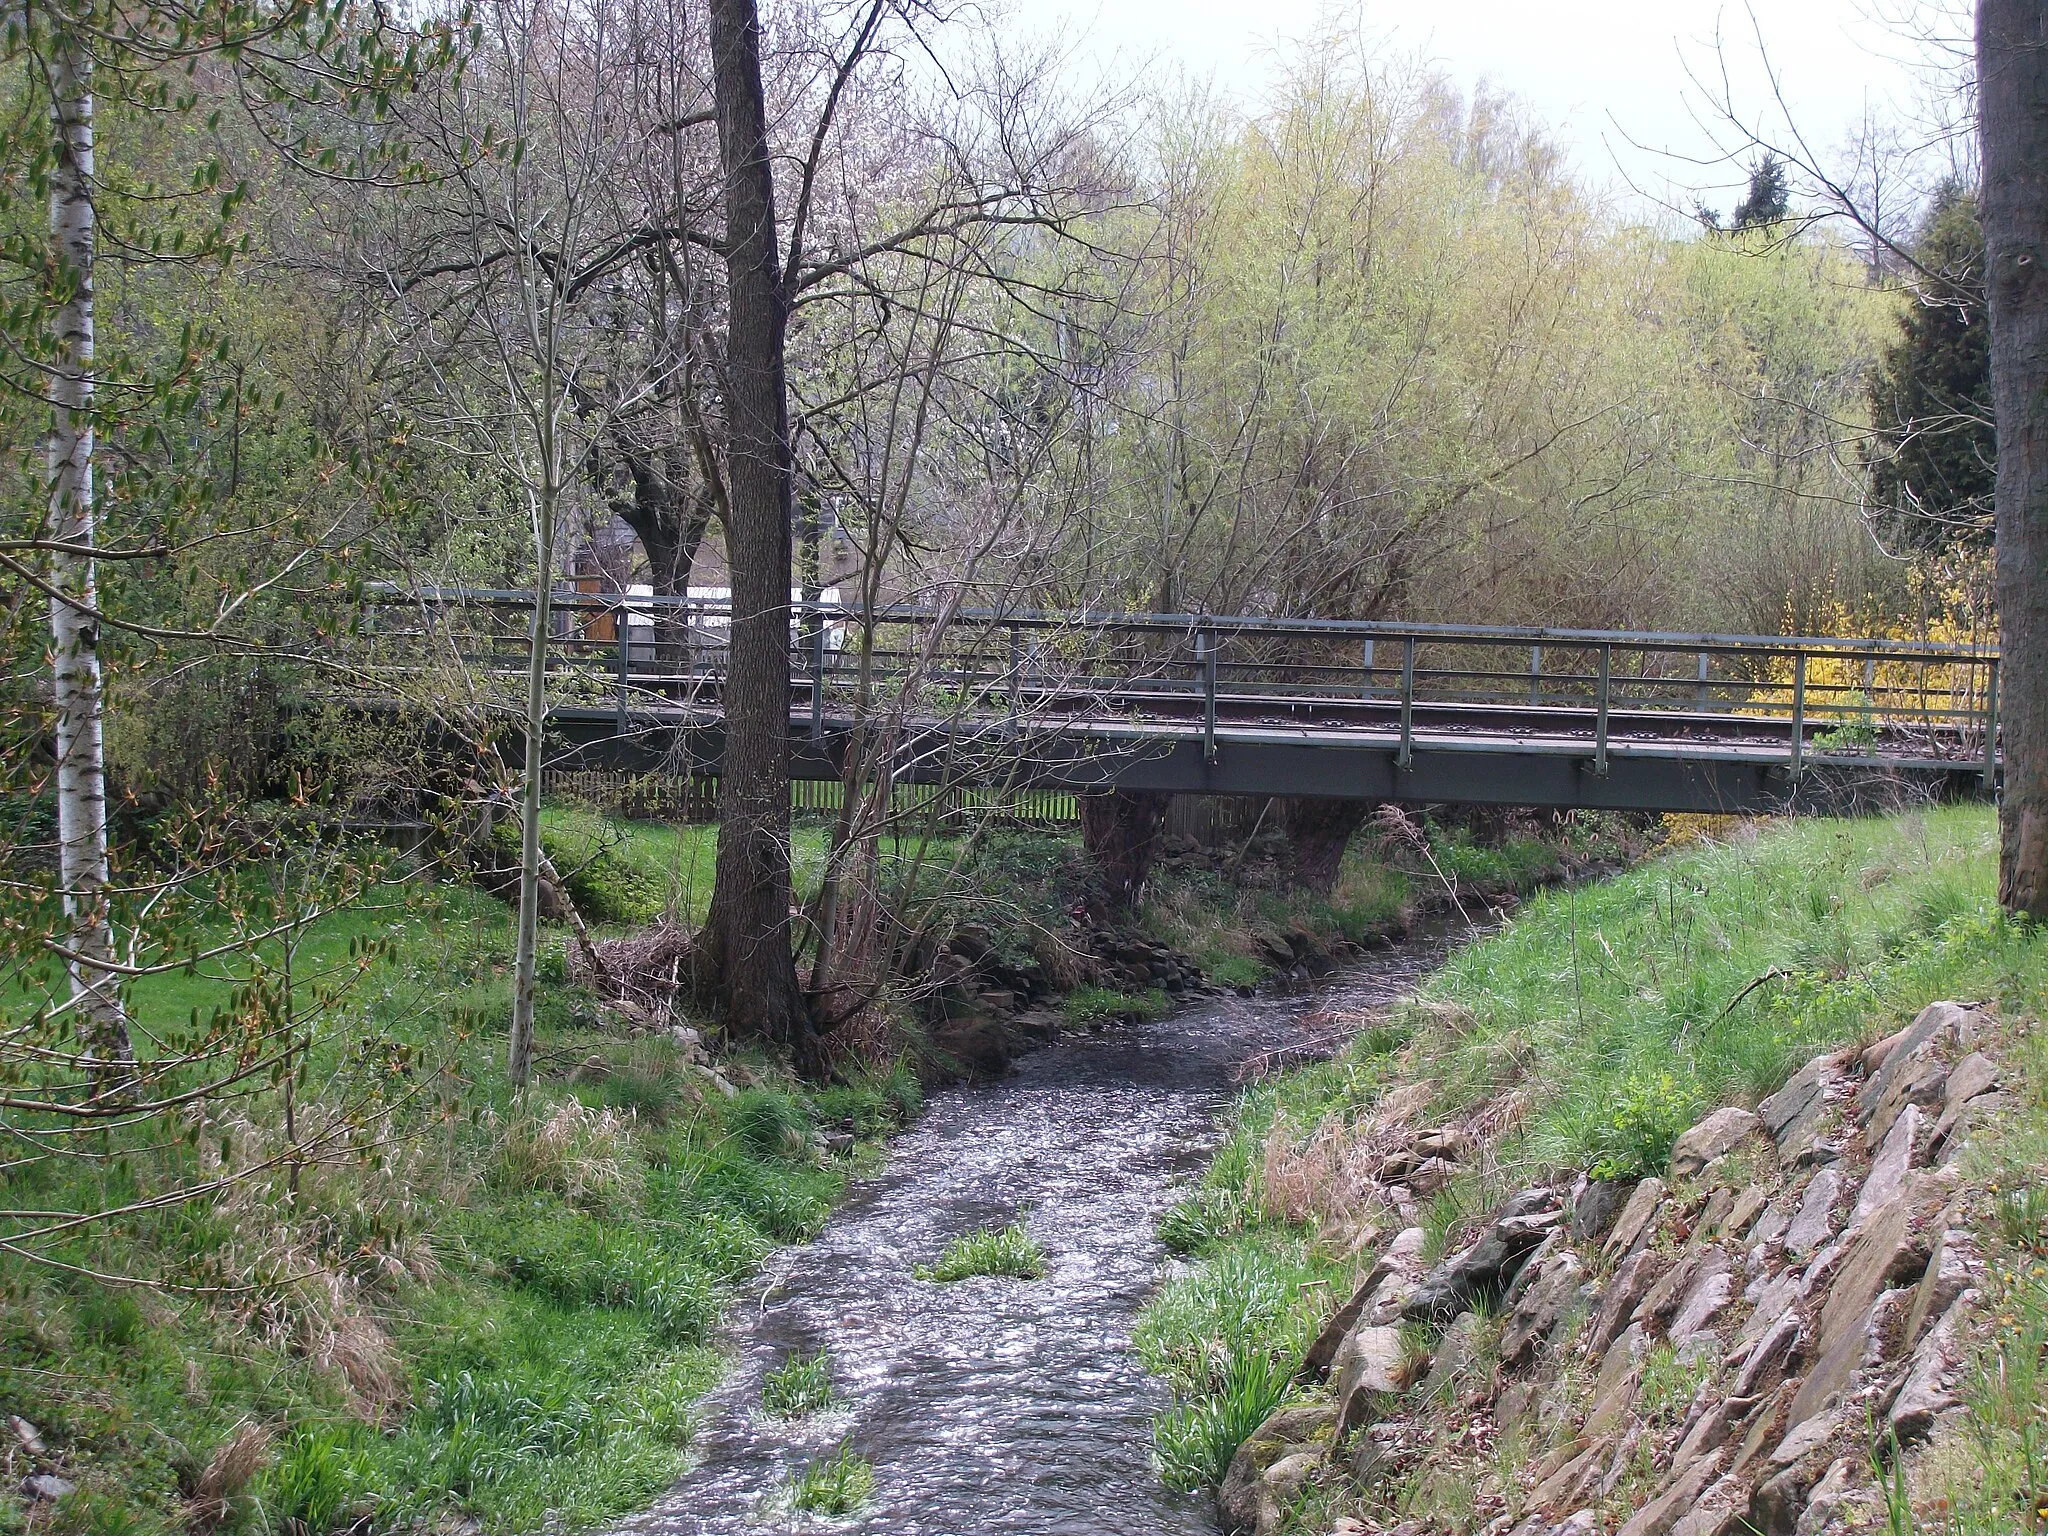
point(74, 633)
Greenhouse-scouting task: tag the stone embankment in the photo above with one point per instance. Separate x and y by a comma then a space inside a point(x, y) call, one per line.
point(1731, 1347)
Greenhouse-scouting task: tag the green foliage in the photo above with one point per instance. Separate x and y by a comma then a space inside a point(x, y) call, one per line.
point(2021, 1217)
point(606, 886)
point(1105, 1005)
point(1769, 200)
point(1196, 1441)
point(1010, 1251)
point(1931, 456)
point(1855, 731)
point(1634, 1130)
point(835, 1486)
point(771, 1123)
point(1198, 1222)
point(871, 1103)
point(319, 1478)
point(801, 1385)
point(1227, 1338)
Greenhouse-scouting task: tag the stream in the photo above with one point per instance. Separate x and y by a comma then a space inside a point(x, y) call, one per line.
point(998, 1405)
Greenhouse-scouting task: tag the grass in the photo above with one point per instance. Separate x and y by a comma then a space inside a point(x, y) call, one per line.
point(1228, 921)
point(661, 864)
point(1216, 921)
point(1105, 1005)
point(1007, 1251)
point(1195, 1442)
point(801, 1385)
point(835, 1486)
point(1227, 1338)
point(478, 1305)
point(1614, 1013)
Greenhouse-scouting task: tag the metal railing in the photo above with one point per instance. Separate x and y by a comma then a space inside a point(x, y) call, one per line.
point(1806, 698)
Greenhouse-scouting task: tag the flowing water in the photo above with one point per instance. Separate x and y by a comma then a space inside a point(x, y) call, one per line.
point(997, 1405)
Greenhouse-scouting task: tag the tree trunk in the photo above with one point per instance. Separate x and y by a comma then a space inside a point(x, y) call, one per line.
point(1318, 832)
point(1120, 830)
point(74, 626)
point(519, 1051)
point(670, 524)
point(743, 958)
point(2012, 76)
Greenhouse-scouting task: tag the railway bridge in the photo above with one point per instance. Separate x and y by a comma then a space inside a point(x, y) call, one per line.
point(1247, 705)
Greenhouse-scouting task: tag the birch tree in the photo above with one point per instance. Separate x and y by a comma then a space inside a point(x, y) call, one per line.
point(276, 58)
point(76, 690)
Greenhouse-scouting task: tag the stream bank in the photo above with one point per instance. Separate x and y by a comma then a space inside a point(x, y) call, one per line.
point(1000, 1405)
point(1702, 1201)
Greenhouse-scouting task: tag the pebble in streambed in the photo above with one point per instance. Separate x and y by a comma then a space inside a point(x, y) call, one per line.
point(998, 1405)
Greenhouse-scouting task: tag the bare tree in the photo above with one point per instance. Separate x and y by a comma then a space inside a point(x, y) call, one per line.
point(744, 954)
point(485, 273)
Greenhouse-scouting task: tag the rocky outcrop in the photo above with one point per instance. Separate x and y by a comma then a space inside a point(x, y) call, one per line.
point(1804, 1269)
point(1275, 1460)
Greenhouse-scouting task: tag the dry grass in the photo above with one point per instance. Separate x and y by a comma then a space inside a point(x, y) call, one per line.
point(226, 1474)
point(362, 1353)
point(582, 1154)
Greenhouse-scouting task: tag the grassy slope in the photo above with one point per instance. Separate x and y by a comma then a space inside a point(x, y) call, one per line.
point(503, 1309)
point(1219, 917)
point(1613, 1014)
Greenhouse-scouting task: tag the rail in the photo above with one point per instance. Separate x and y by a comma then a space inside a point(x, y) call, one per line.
point(1813, 698)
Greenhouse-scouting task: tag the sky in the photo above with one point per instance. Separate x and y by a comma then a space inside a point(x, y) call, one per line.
point(1609, 77)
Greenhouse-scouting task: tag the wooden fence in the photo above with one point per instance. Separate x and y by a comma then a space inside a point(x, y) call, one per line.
point(694, 798)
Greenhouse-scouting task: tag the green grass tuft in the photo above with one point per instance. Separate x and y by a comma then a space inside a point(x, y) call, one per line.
point(1194, 1443)
point(1010, 1251)
point(1104, 1005)
point(836, 1487)
point(801, 1385)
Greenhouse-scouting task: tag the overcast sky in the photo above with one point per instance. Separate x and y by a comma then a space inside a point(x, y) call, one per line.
point(1599, 72)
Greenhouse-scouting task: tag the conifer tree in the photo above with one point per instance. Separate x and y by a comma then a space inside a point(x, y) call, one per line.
point(1934, 454)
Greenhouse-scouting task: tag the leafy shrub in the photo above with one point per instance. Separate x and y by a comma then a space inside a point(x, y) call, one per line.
point(1854, 731)
point(836, 1487)
point(1634, 1131)
point(801, 1385)
point(1010, 1251)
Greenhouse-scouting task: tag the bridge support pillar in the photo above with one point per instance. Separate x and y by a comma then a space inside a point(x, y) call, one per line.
point(1318, 832)
point(1121, 830)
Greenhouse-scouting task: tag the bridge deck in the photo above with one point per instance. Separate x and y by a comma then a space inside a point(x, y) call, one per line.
point(1256, 706)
